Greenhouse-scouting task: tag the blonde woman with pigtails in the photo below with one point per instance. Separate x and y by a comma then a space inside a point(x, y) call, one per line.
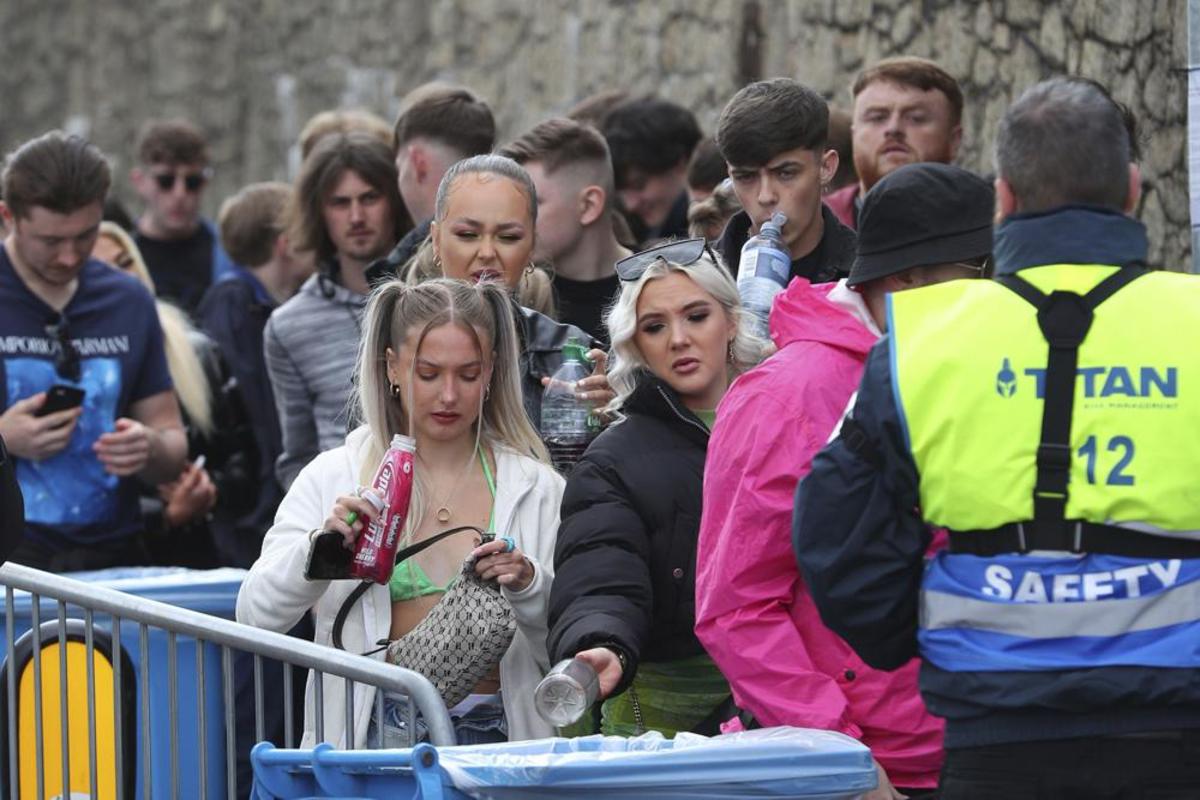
point(438, 362)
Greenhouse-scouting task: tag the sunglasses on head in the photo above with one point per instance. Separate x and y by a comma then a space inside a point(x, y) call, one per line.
point(192, 181)
point(684, 252)
point(66, 360)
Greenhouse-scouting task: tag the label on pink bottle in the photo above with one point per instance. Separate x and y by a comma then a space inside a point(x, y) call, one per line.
point(375, 552)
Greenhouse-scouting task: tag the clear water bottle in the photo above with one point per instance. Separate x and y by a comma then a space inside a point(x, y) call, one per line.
point(568, 423)
point(567, 691)
point(763, 271)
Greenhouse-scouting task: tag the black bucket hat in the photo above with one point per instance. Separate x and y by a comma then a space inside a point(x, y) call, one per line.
point(925, 213)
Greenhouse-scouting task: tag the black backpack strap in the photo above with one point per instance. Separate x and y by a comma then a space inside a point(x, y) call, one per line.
point(340, 620)
point(1065, 319)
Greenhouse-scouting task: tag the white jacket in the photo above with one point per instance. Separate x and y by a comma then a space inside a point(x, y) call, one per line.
point(275, 594)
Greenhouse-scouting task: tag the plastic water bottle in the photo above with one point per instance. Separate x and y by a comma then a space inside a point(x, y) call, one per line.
point(567, 691)
point(763, 271)
point(568, 424)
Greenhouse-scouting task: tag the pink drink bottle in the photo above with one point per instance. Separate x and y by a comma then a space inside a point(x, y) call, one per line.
point(375, 551)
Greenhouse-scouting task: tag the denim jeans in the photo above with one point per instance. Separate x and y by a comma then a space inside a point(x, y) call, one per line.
point(483, 723)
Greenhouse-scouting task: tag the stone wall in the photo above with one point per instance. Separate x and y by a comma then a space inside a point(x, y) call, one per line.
point(252, 71)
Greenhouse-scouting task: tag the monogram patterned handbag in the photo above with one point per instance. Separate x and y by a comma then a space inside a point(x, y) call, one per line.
point(461, 639)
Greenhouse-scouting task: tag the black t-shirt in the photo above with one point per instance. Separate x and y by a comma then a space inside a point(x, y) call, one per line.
point(583, 303)
point(182, 268)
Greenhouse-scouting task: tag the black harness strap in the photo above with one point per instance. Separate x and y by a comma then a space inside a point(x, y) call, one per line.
point(1071, 536)
point(1065, 319)
point(855, 438)
point(340, 620)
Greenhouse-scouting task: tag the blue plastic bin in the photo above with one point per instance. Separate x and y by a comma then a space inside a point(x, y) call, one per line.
point(207, 591)
point(773, 762)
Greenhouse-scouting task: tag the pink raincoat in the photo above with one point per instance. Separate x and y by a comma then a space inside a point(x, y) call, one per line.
point(754, 614)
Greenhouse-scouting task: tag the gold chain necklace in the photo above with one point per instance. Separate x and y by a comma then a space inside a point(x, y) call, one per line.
point(444, 512)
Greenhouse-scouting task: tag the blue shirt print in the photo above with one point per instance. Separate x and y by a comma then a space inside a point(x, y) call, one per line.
point(112, 322)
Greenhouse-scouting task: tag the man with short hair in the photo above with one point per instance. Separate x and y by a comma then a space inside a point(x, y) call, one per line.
point(346, 209)
point(906, 109)
point(772, 135)
point(651, 141)
point(181, 249)
point(1046, 421)
point(572, 172)
point(923, 224)
point(87, 399)
point(439, 124)
point(234, 313)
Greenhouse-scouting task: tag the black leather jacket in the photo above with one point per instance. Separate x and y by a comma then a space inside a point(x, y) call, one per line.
point(542, 341)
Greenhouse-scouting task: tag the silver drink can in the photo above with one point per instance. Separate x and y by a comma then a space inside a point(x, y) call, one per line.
point(567, 692)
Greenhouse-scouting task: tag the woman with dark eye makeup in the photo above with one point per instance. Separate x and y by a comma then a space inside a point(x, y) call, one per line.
point(483, 230)
point(623, 594)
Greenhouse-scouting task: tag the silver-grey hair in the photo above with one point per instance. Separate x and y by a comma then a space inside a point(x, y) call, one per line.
point(711, 276)
point(1065, 141)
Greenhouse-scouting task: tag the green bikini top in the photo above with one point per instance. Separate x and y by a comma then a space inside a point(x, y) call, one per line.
point(409, 581)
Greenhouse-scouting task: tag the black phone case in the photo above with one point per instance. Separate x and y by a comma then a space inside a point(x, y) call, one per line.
point(328, 558)
point(60, 398)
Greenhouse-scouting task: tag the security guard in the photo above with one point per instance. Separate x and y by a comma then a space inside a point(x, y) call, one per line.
point(1050, 421)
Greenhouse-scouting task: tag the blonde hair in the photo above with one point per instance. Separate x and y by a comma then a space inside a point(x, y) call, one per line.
point(187, 373)
point(394, 312)
point(711, 276)
point(340, 120)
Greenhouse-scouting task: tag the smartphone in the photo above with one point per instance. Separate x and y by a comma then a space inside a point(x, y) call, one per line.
point(328, 558)
point(60, 398)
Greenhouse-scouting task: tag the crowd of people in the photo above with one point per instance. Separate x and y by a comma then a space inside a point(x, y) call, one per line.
point(943, 510)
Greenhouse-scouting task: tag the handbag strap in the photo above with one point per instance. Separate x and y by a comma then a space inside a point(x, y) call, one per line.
point(403, 555)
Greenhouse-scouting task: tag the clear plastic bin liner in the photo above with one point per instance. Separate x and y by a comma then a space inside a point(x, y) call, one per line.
point(770, 762)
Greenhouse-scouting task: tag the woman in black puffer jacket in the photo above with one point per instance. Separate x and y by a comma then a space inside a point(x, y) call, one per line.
point(623, 594)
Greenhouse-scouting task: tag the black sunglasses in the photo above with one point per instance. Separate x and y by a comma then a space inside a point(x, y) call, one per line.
point(684, 252)
point(66, 360)
point(192, 181)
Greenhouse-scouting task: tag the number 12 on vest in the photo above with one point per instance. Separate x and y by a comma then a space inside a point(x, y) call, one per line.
point(1122, 449)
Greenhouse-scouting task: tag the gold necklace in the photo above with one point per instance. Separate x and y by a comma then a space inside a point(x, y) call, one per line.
point(444, 512)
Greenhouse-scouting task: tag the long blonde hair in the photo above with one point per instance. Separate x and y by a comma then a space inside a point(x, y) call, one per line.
point(187, 373)
point(626, 362)
point(397, 311)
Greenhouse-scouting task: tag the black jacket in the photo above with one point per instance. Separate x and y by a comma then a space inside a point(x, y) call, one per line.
point(12, 506)
point(231, 460)
point(381, 269)
point(830, 261)
point(234, 314)
point(625, 560)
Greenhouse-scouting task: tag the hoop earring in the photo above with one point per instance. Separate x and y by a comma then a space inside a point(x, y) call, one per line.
point(529, 268)
point(394, 390)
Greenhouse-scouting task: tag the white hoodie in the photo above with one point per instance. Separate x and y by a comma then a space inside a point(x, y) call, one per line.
point(275, 594)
